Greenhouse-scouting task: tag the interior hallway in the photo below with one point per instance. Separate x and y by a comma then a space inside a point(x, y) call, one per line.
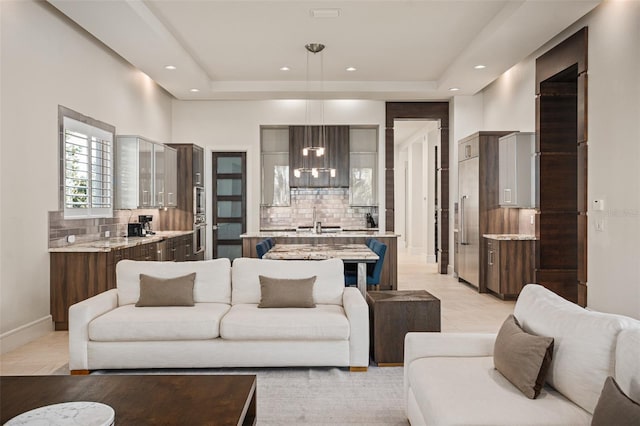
point(463, 309)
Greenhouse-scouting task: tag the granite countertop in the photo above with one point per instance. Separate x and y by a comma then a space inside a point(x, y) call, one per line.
point(321, 251)
point(308, 233)
point(507, 237)
point(107, 245)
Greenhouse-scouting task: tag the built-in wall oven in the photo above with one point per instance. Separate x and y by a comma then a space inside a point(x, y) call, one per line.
point(199, 220)
point(199, 237)
point(198, 201)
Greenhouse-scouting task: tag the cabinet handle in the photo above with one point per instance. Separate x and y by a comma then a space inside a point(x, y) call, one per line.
point(491, 258)
point(197, 178)
point(467, 151)
point(169, 196)
point(507, 195)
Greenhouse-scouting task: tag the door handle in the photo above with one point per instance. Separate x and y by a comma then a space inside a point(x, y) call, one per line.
point(463, 232)
point(214, 227)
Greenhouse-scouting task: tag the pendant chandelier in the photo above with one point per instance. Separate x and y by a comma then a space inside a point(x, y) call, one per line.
point(318, 150)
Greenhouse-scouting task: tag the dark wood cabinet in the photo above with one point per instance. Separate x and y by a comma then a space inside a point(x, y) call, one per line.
point(190, 174)
point(509, 266)
point(334, 140)
point(76, 276)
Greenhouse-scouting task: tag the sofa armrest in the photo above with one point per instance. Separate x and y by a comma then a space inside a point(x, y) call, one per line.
point(357, 311)
point(80, 315)
point(426, 345)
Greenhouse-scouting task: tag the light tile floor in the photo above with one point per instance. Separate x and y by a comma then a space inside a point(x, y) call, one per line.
point(463, 309)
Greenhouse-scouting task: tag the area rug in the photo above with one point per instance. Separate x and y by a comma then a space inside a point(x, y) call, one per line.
point(317, 396)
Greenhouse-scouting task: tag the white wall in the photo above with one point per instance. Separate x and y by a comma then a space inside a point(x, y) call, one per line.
point(235, 126)
point(47, 61)
point(614, 145)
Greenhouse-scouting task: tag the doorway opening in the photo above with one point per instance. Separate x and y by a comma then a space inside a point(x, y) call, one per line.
point(433, 111)
point(416, 220)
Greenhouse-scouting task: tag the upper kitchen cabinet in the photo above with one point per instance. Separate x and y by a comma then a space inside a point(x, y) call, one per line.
point(517, 169)
point(363, 172)
point(315, 170)
point(145, 174)
point(198, 165)
point(274, 157)
point(190, 174)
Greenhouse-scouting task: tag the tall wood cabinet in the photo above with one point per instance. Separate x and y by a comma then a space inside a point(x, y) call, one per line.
point(490, 219)
point(190, 160)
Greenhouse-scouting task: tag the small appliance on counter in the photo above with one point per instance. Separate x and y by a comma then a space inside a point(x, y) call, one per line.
point(145, 220)
point(135, 230)
point(371, 223)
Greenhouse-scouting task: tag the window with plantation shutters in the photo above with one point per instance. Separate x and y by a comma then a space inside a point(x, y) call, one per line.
point(87, 175)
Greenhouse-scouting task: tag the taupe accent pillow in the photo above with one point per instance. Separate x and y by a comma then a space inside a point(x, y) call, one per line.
point(522, 358)
point(176, 291)
point(614, 407)
point(286, 293)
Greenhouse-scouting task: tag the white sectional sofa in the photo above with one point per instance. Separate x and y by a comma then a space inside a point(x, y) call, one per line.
point(450, 378)
point(225, 328)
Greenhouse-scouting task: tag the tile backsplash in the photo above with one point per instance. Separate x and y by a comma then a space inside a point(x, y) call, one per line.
point(331, 206)
point(86, 230)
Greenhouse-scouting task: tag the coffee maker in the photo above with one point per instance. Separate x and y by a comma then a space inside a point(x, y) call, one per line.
point(145, 220)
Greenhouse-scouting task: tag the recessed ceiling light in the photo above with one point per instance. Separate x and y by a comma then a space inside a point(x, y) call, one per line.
point(194, 90)
point(285, 68)
point(324, 13)
point(454, 89)
point(480, 67)
point(351, 69)
point(170, 67)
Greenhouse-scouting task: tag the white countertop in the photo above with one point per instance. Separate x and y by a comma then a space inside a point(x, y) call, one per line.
point(507, 237)
point(107, 245)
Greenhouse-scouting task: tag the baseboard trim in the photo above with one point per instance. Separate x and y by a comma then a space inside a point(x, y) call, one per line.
point(431, 258)
point(22, 335)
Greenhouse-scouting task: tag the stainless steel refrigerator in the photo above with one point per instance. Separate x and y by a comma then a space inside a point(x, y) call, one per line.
point(469, 220)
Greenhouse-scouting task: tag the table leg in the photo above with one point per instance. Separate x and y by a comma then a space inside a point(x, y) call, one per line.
point(362, 278)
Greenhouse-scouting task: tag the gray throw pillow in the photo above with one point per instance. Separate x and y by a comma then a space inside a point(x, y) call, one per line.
point(522, 358)
point(614, 407)
point(176, 291)
point(286, 293)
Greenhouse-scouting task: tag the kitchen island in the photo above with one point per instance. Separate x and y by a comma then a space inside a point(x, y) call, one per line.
point(389, 275)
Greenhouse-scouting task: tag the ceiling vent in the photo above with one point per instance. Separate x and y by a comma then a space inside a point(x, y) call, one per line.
point(325, 13)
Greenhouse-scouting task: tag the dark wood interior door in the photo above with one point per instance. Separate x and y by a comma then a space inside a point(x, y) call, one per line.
point(229, 195)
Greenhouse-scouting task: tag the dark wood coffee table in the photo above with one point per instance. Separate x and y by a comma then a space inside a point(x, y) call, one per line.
point(392, 314)
point(140, 399)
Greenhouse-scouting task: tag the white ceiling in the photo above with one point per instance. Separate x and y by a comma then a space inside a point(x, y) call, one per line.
point(403, 50)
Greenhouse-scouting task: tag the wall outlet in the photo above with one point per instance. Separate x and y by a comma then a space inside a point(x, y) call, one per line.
point(532, 219)
point(107, 234)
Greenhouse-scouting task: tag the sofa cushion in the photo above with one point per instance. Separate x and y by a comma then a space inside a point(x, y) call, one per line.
point(286, 293)
point(327, 289)
point(468, 390)
point(248, 322)
point(522, 357)
point(584, 342)
point(615, 408)
point(627, 371)
point(166, 291)
point(128, 323)
point(212, 284)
